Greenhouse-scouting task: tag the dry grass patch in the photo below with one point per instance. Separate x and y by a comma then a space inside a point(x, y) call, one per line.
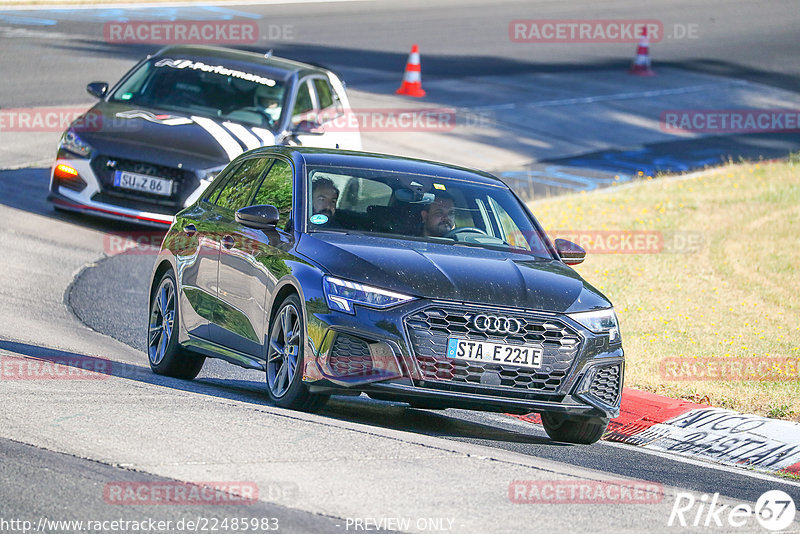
point(731, 303)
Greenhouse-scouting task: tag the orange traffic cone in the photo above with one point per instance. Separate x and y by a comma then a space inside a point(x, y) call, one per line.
point(412, 78)
point(641, 63)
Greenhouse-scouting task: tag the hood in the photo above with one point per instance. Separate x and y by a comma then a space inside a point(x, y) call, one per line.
point(457, 273)
point(167, 137)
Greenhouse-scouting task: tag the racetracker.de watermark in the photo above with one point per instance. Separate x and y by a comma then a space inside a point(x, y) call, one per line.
point(180, 493)
point(389, 120)
point(48, 119)
point(75, 367)
point(195, 32)
point(78, 119)
point(68, 367)
point(585, 492)
point(730, 120)
point(632, 241)
point(683, 369)
point(584, 31)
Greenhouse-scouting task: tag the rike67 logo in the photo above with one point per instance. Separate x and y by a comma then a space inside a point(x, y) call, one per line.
point(775, 511)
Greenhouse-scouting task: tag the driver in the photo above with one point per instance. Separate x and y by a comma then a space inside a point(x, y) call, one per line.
point(269, 100)
point(438, 217)
point(324, 196)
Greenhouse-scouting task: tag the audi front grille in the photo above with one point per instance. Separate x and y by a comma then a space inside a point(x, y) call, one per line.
point(430, 328)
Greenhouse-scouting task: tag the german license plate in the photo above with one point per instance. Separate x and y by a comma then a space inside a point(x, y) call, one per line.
point(488, 352)
point(142, 182)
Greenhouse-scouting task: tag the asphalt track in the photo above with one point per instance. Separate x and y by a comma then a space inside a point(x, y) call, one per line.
point(110, 296)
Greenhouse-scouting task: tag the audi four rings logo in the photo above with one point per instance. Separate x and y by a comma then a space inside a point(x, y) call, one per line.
point(500, 325)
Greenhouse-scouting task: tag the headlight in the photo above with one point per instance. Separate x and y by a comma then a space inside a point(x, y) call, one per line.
point(600, 322)
point(72, 143)
point(342, 295)
point(210, 174)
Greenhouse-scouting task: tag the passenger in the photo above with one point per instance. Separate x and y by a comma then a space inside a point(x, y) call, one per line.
point(438, 217)
point(324, 196)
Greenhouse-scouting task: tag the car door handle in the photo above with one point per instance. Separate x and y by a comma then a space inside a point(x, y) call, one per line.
point(228, 242)
point(190, 230)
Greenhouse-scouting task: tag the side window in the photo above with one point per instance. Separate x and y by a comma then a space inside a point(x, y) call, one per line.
point(511, 232)
point(276, 189)
point(303, 105)
point(236, 192)
point(323, 93)
point(330, 107)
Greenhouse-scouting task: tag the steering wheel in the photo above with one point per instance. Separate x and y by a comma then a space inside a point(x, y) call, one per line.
point(463, 230)
point(270, 122)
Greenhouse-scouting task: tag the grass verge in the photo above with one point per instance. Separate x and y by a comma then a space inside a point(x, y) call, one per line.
point(704, 274)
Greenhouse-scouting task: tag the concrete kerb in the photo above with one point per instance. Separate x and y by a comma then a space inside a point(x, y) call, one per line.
point(704, 432)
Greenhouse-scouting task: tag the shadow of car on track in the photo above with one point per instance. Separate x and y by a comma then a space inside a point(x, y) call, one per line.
point(42, 363)
point(26, 189)
point(439, 423)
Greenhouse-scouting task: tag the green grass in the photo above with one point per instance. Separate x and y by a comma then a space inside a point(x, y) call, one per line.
point(734, 299)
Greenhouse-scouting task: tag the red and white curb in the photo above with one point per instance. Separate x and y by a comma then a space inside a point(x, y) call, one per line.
point(704, 432)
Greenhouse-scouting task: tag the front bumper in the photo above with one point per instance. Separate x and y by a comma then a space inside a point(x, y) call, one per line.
point(394, 355)
point(95, 194)
point(65, 199)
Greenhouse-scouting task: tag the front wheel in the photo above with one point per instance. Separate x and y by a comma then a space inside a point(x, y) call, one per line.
point(584, 431)
point(285, 360)
point(166, 356)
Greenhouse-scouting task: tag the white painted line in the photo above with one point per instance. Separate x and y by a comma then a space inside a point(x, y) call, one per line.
point(708, 464)
point(637, 183)
point(617, 96)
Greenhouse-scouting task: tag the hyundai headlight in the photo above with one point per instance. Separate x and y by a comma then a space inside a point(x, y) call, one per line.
point(600, 322)
point(210, 174)
point(72, 143)
point(342, 295)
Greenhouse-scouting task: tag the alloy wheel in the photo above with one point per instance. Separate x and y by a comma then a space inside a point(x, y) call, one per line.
point(162, 318)
point(284, 349)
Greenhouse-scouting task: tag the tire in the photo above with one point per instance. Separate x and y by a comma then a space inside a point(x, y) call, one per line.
point(583, 431)
point(285, 358)
point(166, 356)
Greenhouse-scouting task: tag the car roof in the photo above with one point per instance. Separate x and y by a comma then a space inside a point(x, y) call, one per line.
point(388, 162)
point(278, 67)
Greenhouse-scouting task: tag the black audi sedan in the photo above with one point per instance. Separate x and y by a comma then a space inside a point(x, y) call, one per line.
point(340, 272)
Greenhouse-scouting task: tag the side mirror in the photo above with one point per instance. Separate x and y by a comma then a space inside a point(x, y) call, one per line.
point(98, 89)
point(307, 128)
point(570, 253)
point(262, 217)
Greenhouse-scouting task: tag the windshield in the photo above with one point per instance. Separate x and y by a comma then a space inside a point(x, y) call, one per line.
point(419, 207)
point(209, 90)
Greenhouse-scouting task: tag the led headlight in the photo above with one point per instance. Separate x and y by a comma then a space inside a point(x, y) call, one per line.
point(343, 295)
point(600, 322)
point(72, 143)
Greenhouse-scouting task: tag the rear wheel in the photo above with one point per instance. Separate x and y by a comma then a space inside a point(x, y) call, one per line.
point(166, 356)
point(285, 360)
point(584, 431)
